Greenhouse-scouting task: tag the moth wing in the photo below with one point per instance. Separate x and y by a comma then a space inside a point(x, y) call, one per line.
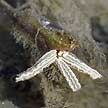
point(45, 61)
point(71, 59)
point(68, 74)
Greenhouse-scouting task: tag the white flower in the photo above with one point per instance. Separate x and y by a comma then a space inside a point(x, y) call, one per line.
point(64, 60)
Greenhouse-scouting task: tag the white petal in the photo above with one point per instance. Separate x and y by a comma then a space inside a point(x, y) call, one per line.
point(68, 74)
point(81, 66)
point(45, 61)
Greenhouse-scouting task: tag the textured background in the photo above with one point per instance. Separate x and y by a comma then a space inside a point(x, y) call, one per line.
point(87, 21)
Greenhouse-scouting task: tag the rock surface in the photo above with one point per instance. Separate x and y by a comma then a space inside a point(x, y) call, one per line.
point(40, 91)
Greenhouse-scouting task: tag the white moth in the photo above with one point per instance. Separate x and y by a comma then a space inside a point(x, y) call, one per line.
point(64, 60)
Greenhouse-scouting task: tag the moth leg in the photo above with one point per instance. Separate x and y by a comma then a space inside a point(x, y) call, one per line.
point(37, 33)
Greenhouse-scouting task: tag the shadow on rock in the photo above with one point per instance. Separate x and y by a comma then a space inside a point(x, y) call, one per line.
point(99, 32)
point(12, 62)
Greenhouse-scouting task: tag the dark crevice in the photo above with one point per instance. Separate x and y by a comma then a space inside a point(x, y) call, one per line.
point(98, 32)
point(16, 3)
